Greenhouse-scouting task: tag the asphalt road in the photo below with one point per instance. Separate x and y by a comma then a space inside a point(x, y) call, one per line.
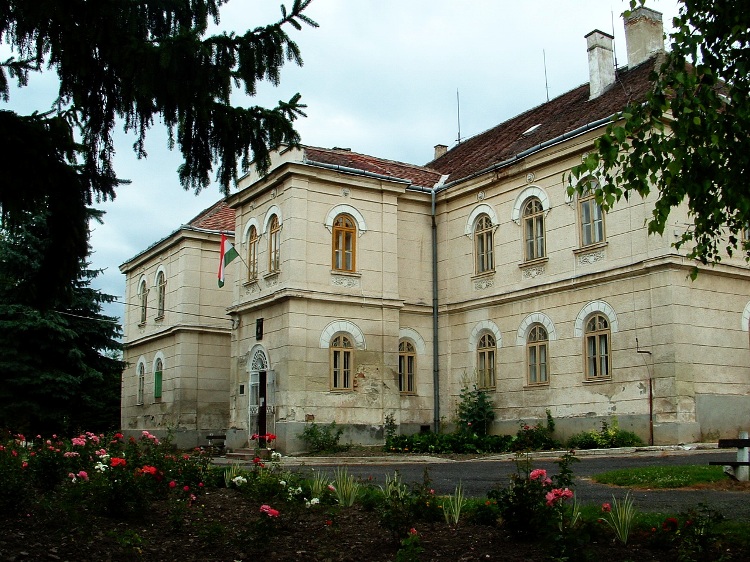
point(480, 476)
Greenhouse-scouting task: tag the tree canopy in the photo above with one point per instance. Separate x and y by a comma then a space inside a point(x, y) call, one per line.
point(689, 141)
point(131, 62)
point(59, 367)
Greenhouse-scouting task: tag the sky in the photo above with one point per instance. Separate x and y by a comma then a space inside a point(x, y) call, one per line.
point(389, 78)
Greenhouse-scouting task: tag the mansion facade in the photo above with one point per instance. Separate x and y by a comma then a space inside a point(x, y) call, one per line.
point(369, 288)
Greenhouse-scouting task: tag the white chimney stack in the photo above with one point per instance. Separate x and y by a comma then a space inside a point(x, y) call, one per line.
point(644, 35)
point(601, 62)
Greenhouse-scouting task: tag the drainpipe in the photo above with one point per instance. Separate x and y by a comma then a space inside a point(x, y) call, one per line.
point(435, 366)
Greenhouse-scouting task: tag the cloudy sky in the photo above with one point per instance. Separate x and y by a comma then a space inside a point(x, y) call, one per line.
point(380, 77)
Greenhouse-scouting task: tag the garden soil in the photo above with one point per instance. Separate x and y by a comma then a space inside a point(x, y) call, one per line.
point(224, 525)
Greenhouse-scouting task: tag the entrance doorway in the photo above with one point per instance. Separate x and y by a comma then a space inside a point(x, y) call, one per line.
point(261, 403)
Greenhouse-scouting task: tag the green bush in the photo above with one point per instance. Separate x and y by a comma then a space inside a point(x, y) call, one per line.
point(536, 437)
point(322, 438)
point(609, 436)
point(448, 443)
point(475, 411)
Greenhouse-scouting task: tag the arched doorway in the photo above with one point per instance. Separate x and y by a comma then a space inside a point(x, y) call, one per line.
point(262, 399)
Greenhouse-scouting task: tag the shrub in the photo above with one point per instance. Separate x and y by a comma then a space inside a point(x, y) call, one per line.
point(537, 437)
point(609, 436)
point(475, 411)
point(322, 438)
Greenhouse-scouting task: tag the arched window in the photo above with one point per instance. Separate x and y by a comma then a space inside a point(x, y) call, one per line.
point(486, 361)
point(252, 254)
point(536, 355)
point(143, 297)
point(591, 216)
point(407, 366)
point(483, 246)
point(344, 243)
point(274, 245)
point(533, 228)
point(141, 383)
point(161, 288)
point(597, 349)
point(158, 368)
point(341, 362)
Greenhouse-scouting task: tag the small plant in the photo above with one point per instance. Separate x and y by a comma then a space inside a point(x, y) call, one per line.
point(609, 436)
point(411, 547)
point(322, 438)
point(452, 506)
point(346, 488)
point(394, 488)
point(232, 473)
point(318, 484)
point(536, 437)
point(475, 411)
point(390, 429)
point(620, 516)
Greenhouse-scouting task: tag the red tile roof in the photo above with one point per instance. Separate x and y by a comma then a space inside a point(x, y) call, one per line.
point(556, 117)
point(417, 175)
point(219, 216)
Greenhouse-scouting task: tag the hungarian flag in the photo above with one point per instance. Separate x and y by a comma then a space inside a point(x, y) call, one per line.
point(228, 253)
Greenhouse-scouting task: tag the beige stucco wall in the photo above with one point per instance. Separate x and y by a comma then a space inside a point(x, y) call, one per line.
point(192, 339)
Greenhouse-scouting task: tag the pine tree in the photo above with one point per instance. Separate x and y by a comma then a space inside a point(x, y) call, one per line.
point(59, 366)
point(125, 62)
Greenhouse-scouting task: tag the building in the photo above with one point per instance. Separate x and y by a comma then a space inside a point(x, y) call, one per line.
point(371, 288)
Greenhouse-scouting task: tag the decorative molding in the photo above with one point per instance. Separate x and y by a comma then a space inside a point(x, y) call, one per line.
point(591, 257)
point(253, 410)
point(480, 196)
point(345, 192)
point(271, 279)
point(485, 326)
point(529, 321)
point(251, 287)
point(530, 177)
point(533, 272)
point(349, 210)
point(344, 281)
point(483, 283)
point(484, 208)
point(595, 306)
point(530, 191)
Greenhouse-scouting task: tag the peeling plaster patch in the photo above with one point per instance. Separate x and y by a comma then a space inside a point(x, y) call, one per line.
point(370, 391)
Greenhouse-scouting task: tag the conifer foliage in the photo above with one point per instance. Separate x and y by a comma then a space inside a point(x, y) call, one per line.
point(59, 366)
point(131, 63)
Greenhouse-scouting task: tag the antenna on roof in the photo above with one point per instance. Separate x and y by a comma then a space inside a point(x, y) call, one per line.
point(458, 115)
point(546, 85)
point(614, 43)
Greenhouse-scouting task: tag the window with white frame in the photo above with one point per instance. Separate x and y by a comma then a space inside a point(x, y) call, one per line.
point(158, 370)
point(533, 229)
point(536, 355)
point(591, 216)
point(274, 245)
point(597, 355)
point(344, 243)
point(407, 366)
point(252, 254)
point(141, 383)
point(143, 299)
point(342, 356)
point(161, 291)
point(486, 349)
point(483, 244)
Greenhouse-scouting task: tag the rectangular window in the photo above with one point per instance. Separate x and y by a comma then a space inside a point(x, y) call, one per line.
point(592, 222)
point(157, 386)
point(341, 369)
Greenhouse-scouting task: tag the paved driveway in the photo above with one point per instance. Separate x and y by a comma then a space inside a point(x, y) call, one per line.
point(480, 476)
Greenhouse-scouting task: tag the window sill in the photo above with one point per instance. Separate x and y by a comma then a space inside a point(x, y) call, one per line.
point(271, 274)
point(346, 273)
point(535, 385)
point(407, 394)
point(597, 380)
point(159, 318)
point(249, 282)
point(141, 324)
point(484, 275)
point(590, 247)
point(534, 263)
point(341, 390)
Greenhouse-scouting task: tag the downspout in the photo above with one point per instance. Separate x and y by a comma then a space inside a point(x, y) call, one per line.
point(435, 348)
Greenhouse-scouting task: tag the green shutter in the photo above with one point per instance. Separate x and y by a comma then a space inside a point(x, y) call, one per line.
point(157, 384)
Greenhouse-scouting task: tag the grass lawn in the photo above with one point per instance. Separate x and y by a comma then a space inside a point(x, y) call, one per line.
point(662, 476)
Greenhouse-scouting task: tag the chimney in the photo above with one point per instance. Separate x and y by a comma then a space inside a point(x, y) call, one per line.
point(601, 62)
point(440, 149)
point(644, 35)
